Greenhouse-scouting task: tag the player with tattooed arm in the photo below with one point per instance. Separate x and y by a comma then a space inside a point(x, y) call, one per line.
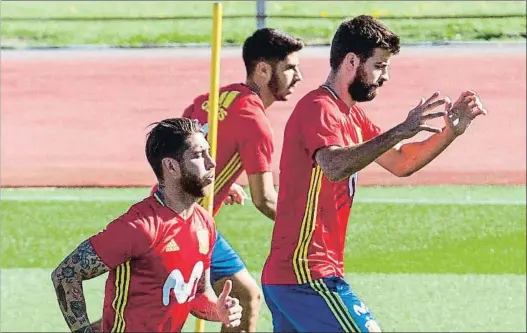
point(158, 253)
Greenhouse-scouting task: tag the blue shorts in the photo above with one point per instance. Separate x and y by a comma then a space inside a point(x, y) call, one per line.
point(324, 305)
point(225, 261)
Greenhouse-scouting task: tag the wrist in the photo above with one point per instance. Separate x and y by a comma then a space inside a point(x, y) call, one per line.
point(399, 133)
point(449, 133)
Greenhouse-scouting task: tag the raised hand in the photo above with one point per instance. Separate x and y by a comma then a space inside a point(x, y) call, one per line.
point(417, 117)
point(229, 309)
point(461, 114)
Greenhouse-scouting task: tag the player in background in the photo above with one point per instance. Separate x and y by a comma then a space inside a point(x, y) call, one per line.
point(327, 140)
point(245, 143)
point(157, 253)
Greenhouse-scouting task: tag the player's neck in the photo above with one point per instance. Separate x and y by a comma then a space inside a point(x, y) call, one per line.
point(340, 88)
point(178, 200)
point(265, 95)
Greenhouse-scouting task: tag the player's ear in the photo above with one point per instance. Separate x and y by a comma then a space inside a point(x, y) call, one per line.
point(351, 61)
point(171, 166)
point(264, 70)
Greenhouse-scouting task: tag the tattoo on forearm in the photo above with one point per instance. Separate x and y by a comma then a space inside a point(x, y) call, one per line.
point(85, 329)
point(61, 295)
point(82, 264)
point(71, 320)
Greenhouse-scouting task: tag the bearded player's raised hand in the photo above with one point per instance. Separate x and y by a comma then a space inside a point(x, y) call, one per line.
point(418, 116)
point(461, 114)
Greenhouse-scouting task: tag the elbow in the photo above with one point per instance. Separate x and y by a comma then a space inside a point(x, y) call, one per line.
point(403, 172)
point(334, 175)
point(55, 277)
point(262, 203)
point(406, 174)
point(267, 206)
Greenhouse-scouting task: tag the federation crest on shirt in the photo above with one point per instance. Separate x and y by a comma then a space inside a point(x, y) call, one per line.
point(203, 240)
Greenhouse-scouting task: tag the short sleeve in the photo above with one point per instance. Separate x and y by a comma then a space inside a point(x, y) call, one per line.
point(187, 113)
point(255, 144)
point(124, 238)
point(320, 126)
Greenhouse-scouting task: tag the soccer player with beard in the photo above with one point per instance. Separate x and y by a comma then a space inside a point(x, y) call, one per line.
point(158, 253)
point(245, 143)
point(327, 140)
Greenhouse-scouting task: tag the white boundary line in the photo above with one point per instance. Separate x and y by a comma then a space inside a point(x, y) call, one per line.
point(112, 198)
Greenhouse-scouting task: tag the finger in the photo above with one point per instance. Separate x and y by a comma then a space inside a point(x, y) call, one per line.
point(469, 99)
point(428, 128)
point(448, 104)
point(238, 200)
point(434, 115)
point(244, 195)
point(421, 102)
point(477, 112)
point(235, 323)
point(431, 98)
point(434, 104)
point(235, 316)
point(469, 93)
point(233, 301)
point(227, 287)
point(479, 103)
point(235, 310)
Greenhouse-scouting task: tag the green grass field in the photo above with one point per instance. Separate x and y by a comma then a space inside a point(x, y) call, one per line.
point(318, 30)
point(422, 258)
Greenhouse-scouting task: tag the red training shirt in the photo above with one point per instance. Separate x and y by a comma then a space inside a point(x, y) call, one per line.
point(245, 136)
point(312, 214)
point(156, 259)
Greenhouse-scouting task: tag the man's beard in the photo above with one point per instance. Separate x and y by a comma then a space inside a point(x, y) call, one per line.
point(359, 90)
point(191, 184)
point(274, 86)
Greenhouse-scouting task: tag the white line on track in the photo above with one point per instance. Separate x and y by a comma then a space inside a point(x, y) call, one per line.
point(113, 198)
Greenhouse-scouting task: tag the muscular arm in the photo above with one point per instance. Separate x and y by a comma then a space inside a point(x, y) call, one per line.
point(339, 163)
point(404, 160)
point(82, 264)
point(204, 305)
point(263, 193)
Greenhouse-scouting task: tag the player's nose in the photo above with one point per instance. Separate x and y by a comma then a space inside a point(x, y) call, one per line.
point(298, 76)
point(211, 164)
point(385, 76)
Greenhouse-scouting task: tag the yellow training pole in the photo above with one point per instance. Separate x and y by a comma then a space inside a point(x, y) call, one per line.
point(212, 121)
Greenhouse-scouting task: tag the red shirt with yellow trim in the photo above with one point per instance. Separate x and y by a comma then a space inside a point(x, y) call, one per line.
point(245, 136)
point(312, 214)
point(156, 259)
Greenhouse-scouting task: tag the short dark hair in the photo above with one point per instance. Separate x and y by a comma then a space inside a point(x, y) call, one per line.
point(168, 138)
point(361, 35)
point(268, 44)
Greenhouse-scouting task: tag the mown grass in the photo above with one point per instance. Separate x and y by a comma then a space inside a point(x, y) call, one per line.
point(422, 258)
point(319, 30)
